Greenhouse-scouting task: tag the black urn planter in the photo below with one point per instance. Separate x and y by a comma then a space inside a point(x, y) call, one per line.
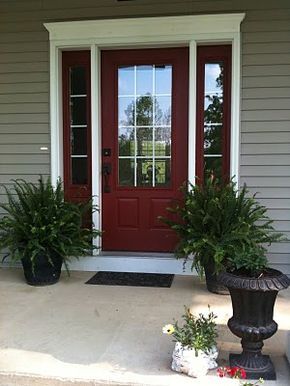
point(212, 283)
point(253, 301)
point(44, 272)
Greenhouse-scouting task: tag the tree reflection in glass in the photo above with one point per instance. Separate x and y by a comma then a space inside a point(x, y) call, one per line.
point(213, 118)
point(150, 142)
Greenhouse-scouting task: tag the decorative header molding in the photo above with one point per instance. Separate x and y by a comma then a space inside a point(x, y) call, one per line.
point(145, 30)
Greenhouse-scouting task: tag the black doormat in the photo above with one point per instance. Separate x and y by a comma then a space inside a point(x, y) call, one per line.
point(132, 279)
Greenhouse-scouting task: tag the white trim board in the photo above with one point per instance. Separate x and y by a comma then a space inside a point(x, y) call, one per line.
point(131, 263)
point(145, 30)
point(96, 35)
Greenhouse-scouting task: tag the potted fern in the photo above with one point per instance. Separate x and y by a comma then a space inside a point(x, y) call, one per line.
point(195, 350)
point(42, 230)
point(215, 222)
point(208, 223)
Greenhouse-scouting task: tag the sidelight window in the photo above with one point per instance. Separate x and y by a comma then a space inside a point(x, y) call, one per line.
point(213, 111)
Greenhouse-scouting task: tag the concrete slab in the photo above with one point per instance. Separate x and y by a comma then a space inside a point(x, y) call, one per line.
point(76, 334)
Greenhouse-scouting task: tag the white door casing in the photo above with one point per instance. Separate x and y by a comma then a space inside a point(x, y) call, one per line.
point(172, 31)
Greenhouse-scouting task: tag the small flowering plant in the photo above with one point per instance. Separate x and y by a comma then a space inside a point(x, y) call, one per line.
point(198, 333)
point(237, 373)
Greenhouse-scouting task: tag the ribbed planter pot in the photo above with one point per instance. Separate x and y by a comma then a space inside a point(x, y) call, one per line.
point(253, 301)
point(44, 272)
point(212, 283)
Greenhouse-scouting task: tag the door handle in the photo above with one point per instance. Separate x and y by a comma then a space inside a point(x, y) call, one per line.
point(106, 171)
point(107, 168)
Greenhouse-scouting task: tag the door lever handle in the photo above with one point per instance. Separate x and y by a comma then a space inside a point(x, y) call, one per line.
point(107, 168)
point(106, 171)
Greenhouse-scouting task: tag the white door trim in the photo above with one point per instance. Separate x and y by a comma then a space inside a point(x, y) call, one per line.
point(189, 30)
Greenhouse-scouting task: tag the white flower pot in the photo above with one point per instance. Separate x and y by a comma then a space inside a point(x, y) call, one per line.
point(185, 360)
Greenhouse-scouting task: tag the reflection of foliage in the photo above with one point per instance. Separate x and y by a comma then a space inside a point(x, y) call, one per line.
point(213, 166)
point(213, 120)
point(212, 134)
point(126, 142)
point(144, 112)
point(144, 143)
point(220, 78)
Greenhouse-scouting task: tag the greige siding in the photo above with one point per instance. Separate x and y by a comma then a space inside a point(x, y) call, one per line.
point(265, 125)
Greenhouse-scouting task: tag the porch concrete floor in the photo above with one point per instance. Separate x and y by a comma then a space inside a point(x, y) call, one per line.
point(76, 334)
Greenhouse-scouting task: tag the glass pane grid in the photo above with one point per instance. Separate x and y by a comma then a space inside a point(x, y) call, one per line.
point(140, 95)
point(144, 156)
point(78, 125)
point(146, 116)
point(213, 118)
point(144, 126)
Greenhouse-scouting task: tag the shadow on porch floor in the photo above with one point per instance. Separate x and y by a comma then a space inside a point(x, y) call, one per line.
point(72, 333)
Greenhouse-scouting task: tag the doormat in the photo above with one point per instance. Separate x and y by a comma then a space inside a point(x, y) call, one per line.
point(132, 279)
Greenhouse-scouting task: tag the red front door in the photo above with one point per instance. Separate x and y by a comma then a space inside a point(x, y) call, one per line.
point(144, 145)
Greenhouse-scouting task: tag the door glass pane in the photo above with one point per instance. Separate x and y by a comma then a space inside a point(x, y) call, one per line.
point(78, 81)
point(126, 172)
point(144, 125)
point(213, 117)
point(213, 166)
point(162, 141)
point(79, 171)
point(78, 110)
point(144, 111)
point(163, 79)
point(79, 141)
point(213, 78)
point(144, 80)
point(163, 110)
point(126, 111)
point(126, 80)
point(144, 141)
point(144, 172)
point(126, 141)
point(213, 139)
point(162, 172)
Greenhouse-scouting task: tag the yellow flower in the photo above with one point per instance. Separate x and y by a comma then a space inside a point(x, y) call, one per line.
point(168, 329)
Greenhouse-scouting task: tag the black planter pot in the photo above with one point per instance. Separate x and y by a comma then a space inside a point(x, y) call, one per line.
point(252, 321)
point(44, 272)
point(212, 283)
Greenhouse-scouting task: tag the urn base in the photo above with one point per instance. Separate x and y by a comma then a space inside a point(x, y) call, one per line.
point(261, 366)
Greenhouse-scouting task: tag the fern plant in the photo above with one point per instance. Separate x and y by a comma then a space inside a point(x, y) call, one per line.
point(38, 221)
point(216, 223)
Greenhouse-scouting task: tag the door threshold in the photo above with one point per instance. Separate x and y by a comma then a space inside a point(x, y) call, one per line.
point(120, 261)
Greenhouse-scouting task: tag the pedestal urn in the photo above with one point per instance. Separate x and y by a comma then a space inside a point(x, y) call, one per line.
point(253, 301)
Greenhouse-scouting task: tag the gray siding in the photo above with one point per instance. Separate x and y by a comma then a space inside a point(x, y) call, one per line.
point(265, 126)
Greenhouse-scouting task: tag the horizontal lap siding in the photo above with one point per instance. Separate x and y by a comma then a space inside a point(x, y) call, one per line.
point(24, 94)
point(265, 128)
point(265, 115)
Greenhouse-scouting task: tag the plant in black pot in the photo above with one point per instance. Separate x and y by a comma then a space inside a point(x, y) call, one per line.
point(253, 288)
point(43, 231)
point(209, 222)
